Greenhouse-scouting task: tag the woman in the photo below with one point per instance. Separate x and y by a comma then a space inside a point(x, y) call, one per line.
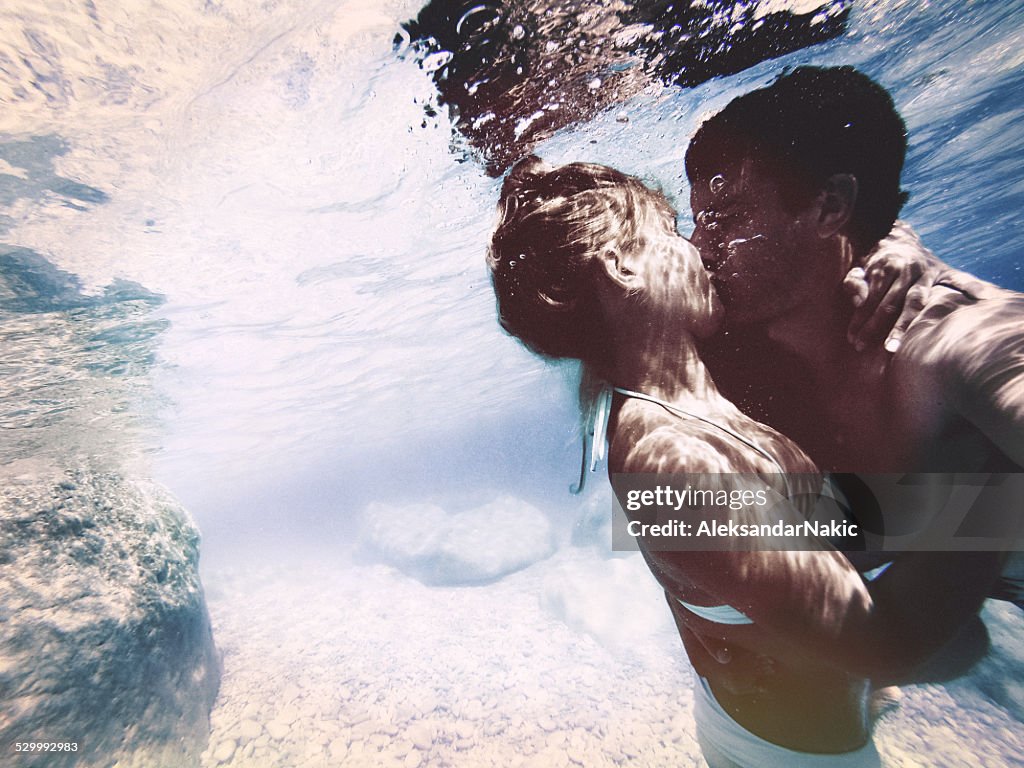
point(587, 264)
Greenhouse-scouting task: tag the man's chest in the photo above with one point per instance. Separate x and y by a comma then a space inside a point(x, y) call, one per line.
point(846, 420)
point(898, 423)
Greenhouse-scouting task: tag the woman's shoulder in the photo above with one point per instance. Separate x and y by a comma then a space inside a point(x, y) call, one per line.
point(647, 439)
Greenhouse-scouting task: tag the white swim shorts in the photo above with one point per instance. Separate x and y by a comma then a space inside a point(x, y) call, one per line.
point(727, 744)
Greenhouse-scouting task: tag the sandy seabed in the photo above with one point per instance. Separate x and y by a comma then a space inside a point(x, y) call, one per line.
point(360, 665)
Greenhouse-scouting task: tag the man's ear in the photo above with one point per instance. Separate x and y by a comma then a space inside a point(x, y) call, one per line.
point(616, 266)
point(837, 203)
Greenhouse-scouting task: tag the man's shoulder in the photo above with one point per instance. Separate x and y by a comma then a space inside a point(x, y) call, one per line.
point(966, 325)
point(961, 303)
point(970, 288)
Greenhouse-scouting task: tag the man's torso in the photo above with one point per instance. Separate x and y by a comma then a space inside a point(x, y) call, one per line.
point(876, 412)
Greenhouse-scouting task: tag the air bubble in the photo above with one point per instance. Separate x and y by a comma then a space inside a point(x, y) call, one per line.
point(495, 16)
point(402, 42)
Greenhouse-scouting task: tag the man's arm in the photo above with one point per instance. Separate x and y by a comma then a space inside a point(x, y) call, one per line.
point(990, 359)
point(971, 339)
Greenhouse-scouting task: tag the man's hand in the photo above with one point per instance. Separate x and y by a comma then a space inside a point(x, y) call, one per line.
point(889, 291)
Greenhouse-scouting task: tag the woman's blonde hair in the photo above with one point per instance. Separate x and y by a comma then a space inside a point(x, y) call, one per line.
point(552, 222)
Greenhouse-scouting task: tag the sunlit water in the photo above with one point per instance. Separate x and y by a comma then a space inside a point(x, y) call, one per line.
point(239, 257)
point(316, 306)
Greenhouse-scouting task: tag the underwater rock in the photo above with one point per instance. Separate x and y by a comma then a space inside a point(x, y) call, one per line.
point(514, 72)
point(472, 547)
point(105, 640)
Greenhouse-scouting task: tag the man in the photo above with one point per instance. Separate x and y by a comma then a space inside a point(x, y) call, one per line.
point(791, 186)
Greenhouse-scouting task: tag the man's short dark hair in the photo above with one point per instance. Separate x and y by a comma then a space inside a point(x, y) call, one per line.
point(806, 126)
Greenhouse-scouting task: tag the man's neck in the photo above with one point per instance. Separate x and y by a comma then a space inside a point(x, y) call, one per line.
point(815, 332)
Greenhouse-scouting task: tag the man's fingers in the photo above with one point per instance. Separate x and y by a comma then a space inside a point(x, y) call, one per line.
point(882, 319)
point(855, 286)
point(880, 283)
point(912, 307)
point(898, 268)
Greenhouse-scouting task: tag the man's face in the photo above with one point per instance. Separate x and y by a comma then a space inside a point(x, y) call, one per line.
point(763, 258)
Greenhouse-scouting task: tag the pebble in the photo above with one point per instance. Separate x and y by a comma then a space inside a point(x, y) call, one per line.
point(402, 747)
point(248, 730)
point(357, 752)
point(313, 750)
point(364, 730)
point(338, 749)
point(421, 734)
point(225, 751)
point(495, 727)
point(347, 684)
point(288, 715)
point(277, 729)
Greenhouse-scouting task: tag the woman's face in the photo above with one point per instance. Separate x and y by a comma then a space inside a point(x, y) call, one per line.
point(676, 286)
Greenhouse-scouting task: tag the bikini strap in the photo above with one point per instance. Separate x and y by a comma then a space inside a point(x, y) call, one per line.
point(595, 437)
point(687, 414)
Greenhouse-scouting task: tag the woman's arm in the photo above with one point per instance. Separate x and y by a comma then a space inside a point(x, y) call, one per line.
point(889, 288)
point(808, 607)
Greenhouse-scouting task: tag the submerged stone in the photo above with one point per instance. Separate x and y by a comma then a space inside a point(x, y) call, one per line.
point(105, 642)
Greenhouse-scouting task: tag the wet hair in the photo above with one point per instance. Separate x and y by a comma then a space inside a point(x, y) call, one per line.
point(552, 224)
point(806, 126)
